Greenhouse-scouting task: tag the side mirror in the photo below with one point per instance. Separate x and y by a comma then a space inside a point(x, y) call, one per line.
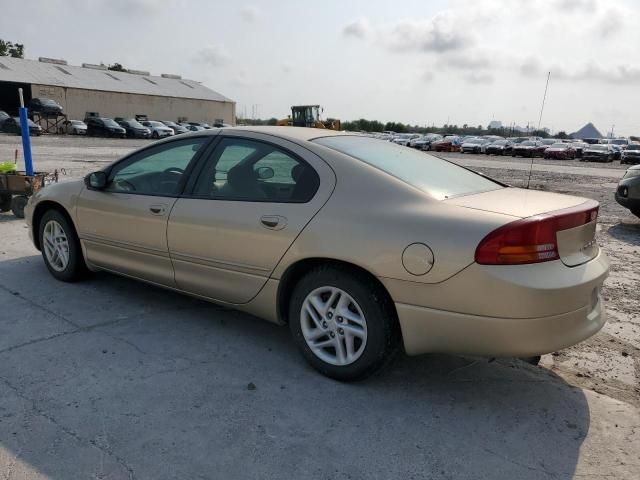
point(265, 173)
point(96, 180)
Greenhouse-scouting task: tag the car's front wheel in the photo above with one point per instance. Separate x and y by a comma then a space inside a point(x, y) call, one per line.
point(343, 323)
point(61, 247)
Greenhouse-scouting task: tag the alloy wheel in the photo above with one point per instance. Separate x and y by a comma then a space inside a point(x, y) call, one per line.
point(55, 245)
point(333, 326)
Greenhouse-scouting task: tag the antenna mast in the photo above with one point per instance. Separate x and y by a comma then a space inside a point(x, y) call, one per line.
point(544, 97)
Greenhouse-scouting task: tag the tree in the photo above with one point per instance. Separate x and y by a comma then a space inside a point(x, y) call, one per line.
point(9, 49)
point(562, 135)
point(116, 67)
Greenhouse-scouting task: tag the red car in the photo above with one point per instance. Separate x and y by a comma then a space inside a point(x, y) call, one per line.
point(560, 151)
point(450, 143)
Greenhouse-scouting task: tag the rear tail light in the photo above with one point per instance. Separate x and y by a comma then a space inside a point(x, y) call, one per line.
point(533, 239)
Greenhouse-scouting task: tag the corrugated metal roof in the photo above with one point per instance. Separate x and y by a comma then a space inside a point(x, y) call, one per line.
point(41, 73)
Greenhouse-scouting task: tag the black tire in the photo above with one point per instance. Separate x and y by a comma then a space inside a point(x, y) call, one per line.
point(17, 205)
point(76, 268)
point(5, 202)
point(535, 360)
point(155, 135)
point(383, 332)
point(636, 213)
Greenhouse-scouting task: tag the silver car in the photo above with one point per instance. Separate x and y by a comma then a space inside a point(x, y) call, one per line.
point(158, 129)
point(363, 248)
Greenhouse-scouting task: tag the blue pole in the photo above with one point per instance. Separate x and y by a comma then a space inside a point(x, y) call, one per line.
point(26, 140)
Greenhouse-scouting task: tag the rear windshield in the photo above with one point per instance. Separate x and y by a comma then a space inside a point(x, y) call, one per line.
point(434, 176)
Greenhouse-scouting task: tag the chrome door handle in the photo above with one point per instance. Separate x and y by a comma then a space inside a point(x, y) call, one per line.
point(273, 222)
point(158, 209)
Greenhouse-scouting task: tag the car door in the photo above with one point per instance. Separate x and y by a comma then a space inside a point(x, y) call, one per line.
point(123, 226)
point(253, 196)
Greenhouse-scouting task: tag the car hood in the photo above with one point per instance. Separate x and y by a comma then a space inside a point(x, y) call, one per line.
point(596, 152)
point(517, 202)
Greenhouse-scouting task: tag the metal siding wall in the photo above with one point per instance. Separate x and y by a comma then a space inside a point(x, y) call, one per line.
point(77, 102)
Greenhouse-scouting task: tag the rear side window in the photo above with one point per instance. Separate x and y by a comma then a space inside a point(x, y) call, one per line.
point(434, 176)
point(252, 171)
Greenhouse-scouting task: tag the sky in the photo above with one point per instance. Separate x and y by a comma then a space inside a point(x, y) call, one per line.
point(418, 62)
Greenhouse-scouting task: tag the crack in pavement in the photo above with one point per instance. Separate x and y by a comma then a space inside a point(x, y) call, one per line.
point(69, 432)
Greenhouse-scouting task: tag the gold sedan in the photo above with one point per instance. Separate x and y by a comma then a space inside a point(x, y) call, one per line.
point(361, 246)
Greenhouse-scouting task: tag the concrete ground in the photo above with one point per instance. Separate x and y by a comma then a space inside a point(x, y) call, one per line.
point(113, 379)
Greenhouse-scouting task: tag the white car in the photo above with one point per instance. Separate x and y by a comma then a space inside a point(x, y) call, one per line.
point(74, 127)
point(404, 138)
point(158, 129)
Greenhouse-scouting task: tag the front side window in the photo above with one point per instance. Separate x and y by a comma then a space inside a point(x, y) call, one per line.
point(247, 170)
point(155, 171)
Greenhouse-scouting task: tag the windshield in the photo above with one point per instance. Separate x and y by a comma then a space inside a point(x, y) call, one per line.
point(527, 143)
point(500, 142)
point(633, 147)
point(133, 123)
point(108, 122)
point(475, 140)
point(156, 124)
point(619, 142)
point(47, 101)
point(432, 175)
point(169, 124)
point(76, 122)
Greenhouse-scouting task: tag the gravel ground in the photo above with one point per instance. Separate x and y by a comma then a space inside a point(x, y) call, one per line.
point(113, 379)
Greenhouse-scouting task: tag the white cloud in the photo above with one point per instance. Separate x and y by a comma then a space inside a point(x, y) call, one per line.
point(358, 29)
point(250, 14)
point(437, 34)
point(214, 55)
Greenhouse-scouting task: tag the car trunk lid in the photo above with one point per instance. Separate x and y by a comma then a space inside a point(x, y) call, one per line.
point(572, 219)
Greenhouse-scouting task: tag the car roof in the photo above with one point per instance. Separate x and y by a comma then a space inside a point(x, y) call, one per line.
point(290, 133)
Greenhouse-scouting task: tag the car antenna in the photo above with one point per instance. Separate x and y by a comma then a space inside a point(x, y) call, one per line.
point(544, 97)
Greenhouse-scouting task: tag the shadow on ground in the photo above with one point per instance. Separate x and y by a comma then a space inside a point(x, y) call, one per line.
point(626, 232)
point(111, 379)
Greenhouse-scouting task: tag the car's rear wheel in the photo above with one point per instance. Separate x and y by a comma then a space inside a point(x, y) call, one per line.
point(343, 323)
point(61, 247)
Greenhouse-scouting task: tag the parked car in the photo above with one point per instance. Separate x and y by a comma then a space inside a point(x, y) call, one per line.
point(12, 125)
point(579, 148)
point(104, 127)
point(528, 148)
point(3, 116)
point(45, 107)
point(560, 151)
point(404, 138)
point(621, 142)
point(617, 151)
point(473, 145)
point(450, 143)
point(177, 129)
point(598, 153)
point(74, 127)
point(204, 125)
point(628, 191)
point(232, 218)
point(631, 155)
point(591, 141)
point(158, 129)
point(193, 128)
point(499, 147)
point(134, 128)
point(424, 142)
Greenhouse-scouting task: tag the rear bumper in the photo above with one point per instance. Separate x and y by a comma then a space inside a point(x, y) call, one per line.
point(426, 330)
point(517, 310)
